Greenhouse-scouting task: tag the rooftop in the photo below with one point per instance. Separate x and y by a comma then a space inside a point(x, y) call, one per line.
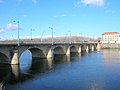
point(106, 33)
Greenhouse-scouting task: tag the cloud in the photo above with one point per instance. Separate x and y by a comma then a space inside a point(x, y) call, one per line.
point(77, 4)
point(93, 2)
point(34, 1)
point(12, 26)
point(1, 30)
point(98, 3)
point(64, 15)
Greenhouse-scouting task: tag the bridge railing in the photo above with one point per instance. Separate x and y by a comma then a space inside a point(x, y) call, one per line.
point(2, 43)
point(23, 43)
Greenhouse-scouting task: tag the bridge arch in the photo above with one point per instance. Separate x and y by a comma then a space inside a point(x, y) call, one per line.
point(73, 49)
point(36, 52)
point(4, 58)
point(59, 54)
point(59, 50)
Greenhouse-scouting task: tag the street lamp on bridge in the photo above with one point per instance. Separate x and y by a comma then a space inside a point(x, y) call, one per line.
point(52, 33)
point(70, 38)
point(41, 36)
point(18, 31)
point(31, 34)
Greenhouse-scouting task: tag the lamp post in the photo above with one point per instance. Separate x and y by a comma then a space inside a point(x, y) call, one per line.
point(31, 35)
point(80, 37)
point(52, 33)
point(69, 37)
point(41, 36)
point(18, 32)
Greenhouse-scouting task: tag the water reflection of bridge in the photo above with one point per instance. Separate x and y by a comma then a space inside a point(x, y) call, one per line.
point(12, 74)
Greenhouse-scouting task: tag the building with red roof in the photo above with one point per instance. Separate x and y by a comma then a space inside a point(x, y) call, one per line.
point(111, 37)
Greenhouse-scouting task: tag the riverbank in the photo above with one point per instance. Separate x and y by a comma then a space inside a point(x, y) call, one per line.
point(110, 46)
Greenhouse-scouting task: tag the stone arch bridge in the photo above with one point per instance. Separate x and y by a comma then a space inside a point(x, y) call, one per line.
point(10, 53)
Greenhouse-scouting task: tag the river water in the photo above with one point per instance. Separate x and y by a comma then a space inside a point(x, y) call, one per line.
point(98, 70)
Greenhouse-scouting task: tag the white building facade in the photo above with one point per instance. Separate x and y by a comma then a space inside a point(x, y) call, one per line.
point(111, 37)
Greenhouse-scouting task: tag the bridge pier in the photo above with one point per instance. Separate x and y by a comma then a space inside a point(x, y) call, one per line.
point(15, 71)
point(50, 54)
point(93, 48)
point(49, 63)
point(98, 46)
point(15, 58)
point(68, 52)
point(79, 50)
point(87, 49)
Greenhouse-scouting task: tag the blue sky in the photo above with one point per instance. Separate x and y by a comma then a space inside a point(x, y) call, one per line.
point(80, 17)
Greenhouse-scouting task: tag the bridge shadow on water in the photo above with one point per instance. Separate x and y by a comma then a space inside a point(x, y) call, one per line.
point(61, 58)
point(84, 53)
point(40, 65)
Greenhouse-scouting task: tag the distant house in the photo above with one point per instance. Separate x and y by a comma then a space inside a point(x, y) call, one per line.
point(111, 37)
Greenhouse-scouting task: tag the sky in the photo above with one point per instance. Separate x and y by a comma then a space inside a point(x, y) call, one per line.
point(89, 18)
